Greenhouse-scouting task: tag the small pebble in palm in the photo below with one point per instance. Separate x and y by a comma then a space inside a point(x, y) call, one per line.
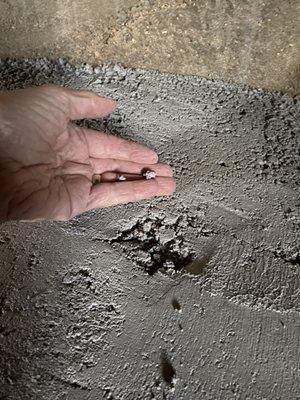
point(149, 174)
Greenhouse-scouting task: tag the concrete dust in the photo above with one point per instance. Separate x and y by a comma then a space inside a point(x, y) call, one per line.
point(87, 306)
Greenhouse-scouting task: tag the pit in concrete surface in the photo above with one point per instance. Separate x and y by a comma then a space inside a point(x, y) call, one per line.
point(157, 243)
point(167, 369)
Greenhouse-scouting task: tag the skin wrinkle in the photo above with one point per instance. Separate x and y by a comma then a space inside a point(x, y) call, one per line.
point(64, 185)
point(38, 105)
point(92, 201)
point(5, 165)
point(48, 186)
point(17, 204)
point(41, 124)
point(82, 137)
point(64, 166)
point(29, 195)
point(56, 174)
point(83, 133)
point(64, 138)
point(32, 180)
point(27, 183)
point(69, 105)
point(27, 210)
point(87, 197)
point(59, 187)
point(71, 207)
point(33, 166)
point(59, 149)
point(19, 189)
point(41, 135)
point(48, 193)
point(52, 94)
point(55, 106)
point(114, 165)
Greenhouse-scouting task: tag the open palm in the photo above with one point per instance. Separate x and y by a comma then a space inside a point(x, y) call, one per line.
point(47, 163)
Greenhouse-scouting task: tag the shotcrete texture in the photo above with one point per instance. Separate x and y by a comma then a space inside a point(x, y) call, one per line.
point(190, 297)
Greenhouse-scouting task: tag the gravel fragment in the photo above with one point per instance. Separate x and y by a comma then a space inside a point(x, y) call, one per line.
point(149, 174)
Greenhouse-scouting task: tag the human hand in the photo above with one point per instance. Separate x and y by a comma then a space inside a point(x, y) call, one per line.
point(47, 163)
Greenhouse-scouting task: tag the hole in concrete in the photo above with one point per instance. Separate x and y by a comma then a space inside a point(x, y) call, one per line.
point(167, 370)
point(197, 267)
point(282, 323)
point(175, 304)
point(157, 243)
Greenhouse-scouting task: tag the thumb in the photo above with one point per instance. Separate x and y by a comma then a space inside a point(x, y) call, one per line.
point(84, 104)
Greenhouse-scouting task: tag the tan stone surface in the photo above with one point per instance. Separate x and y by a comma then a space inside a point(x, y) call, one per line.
point(255, 42)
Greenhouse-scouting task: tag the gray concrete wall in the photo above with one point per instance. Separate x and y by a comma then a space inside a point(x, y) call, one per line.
point(80, 316)
point(247, 41)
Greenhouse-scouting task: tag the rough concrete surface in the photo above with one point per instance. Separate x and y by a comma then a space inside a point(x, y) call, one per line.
point(248, 41)
point(191, 297)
